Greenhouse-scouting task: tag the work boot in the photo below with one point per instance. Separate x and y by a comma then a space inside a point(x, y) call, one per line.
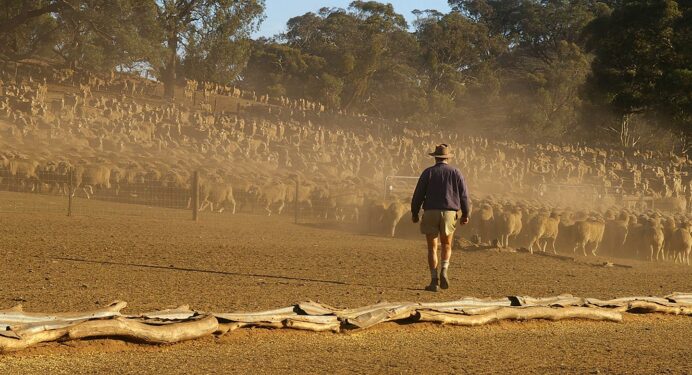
point(444, 283)
point(433, 287)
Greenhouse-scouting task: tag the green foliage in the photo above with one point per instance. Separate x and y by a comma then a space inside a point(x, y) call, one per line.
point(455, 52)
point(530, 69)
point(217, 41)
point(538, 64)
point(287, 71)
point(214, 35)
point(368, 54)
point(102, 34)
point(90, 34)
point(630, 45)
point(28, 35)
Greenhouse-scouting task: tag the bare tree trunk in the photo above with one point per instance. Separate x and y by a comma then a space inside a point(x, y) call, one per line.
point(170, 76)
point(624, 132)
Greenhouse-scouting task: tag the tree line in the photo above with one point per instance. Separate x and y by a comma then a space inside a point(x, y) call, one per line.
point(550, 70)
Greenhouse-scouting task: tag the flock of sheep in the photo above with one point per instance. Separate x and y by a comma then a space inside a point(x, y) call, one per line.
point(615, 232)
point(111, 138)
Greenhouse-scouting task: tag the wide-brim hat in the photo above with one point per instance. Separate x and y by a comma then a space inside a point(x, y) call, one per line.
point(442, 152)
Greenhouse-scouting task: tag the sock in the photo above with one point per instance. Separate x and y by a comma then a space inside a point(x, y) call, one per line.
point(433, 273)
point(445, 266)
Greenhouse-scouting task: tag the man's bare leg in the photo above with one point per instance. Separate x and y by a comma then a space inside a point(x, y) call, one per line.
point(432, 250)
point(446, 255)
point(432, 261)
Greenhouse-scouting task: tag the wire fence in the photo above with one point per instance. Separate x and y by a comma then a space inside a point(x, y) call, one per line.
point(92, 191)
point(97, 191)
point(137, 194)
point(23, 190)
point(340, 204)
point(101, 191)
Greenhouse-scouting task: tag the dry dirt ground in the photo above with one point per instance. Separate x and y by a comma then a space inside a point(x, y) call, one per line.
point(157, 258)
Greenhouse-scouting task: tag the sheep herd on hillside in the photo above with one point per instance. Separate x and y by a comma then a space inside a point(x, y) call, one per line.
point(111, 137)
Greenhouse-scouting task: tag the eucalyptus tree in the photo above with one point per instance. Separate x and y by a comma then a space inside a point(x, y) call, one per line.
point(206, 39)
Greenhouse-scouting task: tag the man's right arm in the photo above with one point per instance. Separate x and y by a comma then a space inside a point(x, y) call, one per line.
point(463, 197)
point(419, 193)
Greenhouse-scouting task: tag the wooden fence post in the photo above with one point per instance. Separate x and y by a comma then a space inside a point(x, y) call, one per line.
point(70, 190)
point(297, 204)
point(195, 196)
point(386, 187)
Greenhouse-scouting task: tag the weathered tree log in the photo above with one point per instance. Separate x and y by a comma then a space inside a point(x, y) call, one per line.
point(306, 322)
point(224, 328)
point(381, 315)
point(162, 334)
point(179, 313)
point(316, 327)
point(644, 307)
point(13, 316)
point(352, 313)
point(250, 318)
point(561, 300)
point(472, 310)
point(520, 313)
point(315, 308)
point(381, 312)
point(260, 316)
point(10, 344)
point(683, 298)
point(467, 302)
point(619, 302)
point(23, 330)
point(319, 319)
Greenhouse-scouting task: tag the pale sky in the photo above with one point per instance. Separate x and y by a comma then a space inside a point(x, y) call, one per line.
point(278, 12)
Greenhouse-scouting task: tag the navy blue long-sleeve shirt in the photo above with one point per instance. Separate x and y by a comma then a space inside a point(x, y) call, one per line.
point(441, 187)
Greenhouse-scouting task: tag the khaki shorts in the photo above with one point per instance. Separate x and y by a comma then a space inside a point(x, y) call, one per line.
point(438, 221)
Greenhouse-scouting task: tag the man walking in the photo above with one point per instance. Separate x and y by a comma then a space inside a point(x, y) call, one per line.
point(442, 192)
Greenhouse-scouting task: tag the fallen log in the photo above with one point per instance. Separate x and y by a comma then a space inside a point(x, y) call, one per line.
point(381, 314)
point(17, 316)
point(468, 302)
point(23, 330)
point(315, 308)
point(522, 313)
point(260, 316)
point(179, 313)
point(623, 302)
point(232, 326)
point(224, 328)
point(319, 319)
point(644, 307)
point(561, 300)
point(470, 310)
point(251, 318)
point(155, 334)
point(10, 344)
point(309, 326)
point(680, 298)
point(352, 313)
